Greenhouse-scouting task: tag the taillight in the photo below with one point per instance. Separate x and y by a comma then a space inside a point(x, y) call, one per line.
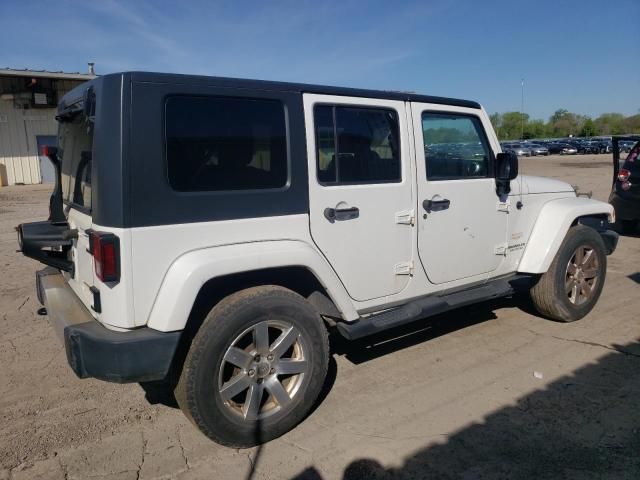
point(623, 175)
point(105, 248)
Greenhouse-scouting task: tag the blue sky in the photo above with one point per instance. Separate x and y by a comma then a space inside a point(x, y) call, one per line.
point(582, 55)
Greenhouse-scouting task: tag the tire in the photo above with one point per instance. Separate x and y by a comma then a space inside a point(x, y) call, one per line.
point(222, 375)
point(625, 227)
point(560, 294)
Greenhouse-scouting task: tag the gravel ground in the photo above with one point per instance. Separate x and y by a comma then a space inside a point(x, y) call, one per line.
point(489, 391)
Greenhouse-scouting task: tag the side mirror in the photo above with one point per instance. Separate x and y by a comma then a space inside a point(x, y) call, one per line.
point(506, 170)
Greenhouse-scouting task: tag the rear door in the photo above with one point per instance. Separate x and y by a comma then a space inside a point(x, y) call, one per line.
point(360, 191)
point(462, 225)
point(75, 148)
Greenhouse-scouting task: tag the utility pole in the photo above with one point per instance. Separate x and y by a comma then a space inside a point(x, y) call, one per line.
point(522, 109)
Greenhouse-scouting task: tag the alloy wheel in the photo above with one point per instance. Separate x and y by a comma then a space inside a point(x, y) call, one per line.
point(581, 275)
point(263, 369)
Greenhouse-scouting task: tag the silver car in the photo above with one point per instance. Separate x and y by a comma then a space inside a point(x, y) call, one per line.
point(537, 149)
point(518, 148)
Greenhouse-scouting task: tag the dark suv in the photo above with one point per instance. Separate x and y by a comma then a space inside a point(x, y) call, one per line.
point(625, 194)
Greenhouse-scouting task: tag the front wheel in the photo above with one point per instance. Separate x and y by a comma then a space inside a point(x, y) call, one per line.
point(571, 287)
point(255, 368)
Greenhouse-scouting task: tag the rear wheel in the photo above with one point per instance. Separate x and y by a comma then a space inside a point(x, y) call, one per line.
point(571, 287)
point(255, 367)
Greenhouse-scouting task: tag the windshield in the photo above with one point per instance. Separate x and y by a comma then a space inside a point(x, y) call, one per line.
point(75, 142)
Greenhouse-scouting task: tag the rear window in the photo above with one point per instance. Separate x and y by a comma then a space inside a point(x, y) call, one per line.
point(225, 143)
point(75, 143)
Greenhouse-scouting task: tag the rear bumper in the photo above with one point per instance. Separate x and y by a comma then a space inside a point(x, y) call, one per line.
point(94, 351)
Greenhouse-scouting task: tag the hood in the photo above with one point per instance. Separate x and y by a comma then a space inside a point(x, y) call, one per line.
point(531, 184)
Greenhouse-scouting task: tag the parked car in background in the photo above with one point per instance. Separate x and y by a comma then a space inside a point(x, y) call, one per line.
point(603, 145)
point(537, 149)
point(561, 148)
point(625, 146)
point(580, 146)
point(625, 193)
point(518, 148)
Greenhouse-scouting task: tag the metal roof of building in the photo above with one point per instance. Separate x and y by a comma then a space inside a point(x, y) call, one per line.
point(26, 72)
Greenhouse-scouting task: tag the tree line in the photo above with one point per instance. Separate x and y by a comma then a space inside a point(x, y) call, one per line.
point(516, 125)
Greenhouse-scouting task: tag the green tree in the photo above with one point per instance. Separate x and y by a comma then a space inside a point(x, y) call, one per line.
point(588, 128)
point(558, 114)
point(632, 124)
point(511, 127)
point(564, 123)
point(610, 124)
point(535, 129)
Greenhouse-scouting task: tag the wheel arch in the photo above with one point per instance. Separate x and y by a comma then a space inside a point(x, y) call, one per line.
point(198, 279)
point(553, 222)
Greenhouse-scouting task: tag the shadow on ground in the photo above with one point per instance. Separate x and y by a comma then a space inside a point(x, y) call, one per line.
point(584, 425)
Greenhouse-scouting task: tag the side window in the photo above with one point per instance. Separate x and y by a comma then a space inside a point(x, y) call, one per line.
point(455, 146)
point(357, 145)
point(225, 143)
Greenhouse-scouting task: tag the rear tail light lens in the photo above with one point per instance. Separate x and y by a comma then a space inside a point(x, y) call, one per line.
point(105, 248)
point(623, 175)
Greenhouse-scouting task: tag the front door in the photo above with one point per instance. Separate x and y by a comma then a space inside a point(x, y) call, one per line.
point(360, 191)
point(462, 226)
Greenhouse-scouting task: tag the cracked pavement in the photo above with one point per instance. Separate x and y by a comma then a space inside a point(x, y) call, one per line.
point(488, 391)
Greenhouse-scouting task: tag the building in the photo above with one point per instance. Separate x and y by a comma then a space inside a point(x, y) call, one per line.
point(28, 100)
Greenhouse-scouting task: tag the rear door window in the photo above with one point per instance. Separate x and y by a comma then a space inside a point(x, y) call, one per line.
point(75, 145)
point(225, 143)
point(357, 145)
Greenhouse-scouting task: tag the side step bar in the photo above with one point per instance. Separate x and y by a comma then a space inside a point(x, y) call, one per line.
point(426, 307)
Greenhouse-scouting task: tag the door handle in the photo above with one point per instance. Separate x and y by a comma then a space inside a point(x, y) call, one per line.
point(340, 214)
point(436, 205)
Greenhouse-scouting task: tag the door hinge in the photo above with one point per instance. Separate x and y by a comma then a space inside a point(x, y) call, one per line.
point(503, 207)
point(501, 249)
point(405, 217)
point(403, 268)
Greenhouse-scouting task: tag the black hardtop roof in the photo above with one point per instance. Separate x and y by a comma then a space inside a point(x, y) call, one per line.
point(152, 77)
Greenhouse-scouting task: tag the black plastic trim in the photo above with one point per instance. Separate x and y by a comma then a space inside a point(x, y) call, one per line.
point(603, 227)
point(225, 82)
point(122, 357)
point(47, 242)
point(431, 305)
point(97, 303)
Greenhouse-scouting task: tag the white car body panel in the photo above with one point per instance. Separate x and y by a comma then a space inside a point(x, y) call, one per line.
point(458, 242)
point(192, 270)
point(366, 250)
point(552, 223)
point(158, 248)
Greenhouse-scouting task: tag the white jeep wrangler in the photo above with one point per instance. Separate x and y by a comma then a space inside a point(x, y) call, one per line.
point(207, 230)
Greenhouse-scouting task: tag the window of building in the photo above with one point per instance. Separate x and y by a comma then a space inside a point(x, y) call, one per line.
point(455, 146)
point(357, 145)
point(225, 143)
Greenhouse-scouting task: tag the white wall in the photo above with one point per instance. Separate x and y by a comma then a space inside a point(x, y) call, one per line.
point(19, 162)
